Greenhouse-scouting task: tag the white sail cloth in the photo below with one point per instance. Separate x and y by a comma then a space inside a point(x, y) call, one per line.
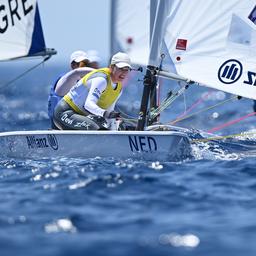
point(211, 42)
point(20, 29)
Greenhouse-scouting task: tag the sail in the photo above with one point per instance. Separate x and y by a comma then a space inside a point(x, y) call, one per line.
point(21, 33)
point(211, 42)
point(130, 29)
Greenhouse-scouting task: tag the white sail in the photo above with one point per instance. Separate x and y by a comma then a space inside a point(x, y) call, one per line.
point(212, 42)
point(20, 30)
point(130, 29)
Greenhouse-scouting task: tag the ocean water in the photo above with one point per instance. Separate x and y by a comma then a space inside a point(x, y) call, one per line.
point(203, 205)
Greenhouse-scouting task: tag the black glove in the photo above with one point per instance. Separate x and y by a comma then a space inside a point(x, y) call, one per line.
point(112, 114)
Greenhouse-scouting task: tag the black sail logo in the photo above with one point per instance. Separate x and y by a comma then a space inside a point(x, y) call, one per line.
point(230, 71)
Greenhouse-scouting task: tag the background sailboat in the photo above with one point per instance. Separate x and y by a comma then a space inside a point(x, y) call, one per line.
point(130, 33)
point(130, 29)
point(21, 33)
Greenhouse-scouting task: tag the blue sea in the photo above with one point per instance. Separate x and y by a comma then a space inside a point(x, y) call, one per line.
point(202, 205)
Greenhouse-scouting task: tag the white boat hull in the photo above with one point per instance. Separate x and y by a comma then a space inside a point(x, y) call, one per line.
point(151, 145)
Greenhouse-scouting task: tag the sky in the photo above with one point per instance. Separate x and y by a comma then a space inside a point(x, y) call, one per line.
point(76, 25)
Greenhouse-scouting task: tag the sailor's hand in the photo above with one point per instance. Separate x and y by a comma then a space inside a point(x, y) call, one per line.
point(112, 114)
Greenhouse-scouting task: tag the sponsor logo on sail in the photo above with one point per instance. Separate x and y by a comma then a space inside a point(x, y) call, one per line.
point(181, 44)
point(230, 71)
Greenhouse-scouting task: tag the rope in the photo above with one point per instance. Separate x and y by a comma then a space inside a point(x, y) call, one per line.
point(125, 116)
point(23, 74)
point(167, 101)
point(223, 137)
point(217, 128)
point(199, 101)
point(202, 110)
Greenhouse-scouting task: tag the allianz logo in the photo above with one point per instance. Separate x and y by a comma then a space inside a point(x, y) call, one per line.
point(231, 71)
point(35, 142)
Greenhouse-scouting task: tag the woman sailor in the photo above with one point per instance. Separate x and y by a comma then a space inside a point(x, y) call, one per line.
point(80, 66)
point(90, 104)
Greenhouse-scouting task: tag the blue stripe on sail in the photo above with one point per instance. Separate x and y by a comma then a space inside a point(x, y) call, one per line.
point(38, 43)
point(252, 15)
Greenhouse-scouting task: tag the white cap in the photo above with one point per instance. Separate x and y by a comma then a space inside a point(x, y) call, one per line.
point(93, 56)
point(78, 56)
point(121, 60)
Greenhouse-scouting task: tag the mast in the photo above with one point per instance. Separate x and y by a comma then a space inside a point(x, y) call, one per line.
point(149, 86)
point(112, 44)
point(158, 14)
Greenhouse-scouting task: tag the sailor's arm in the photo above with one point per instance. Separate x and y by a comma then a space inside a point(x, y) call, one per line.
point(69, 79)
point(110, 111)
point(98, 85)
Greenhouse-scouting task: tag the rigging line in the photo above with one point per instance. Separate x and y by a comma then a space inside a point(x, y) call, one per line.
point(129, 120)
point(24, 73)
point(170, 95)
point(159, 81)
point(202, 110)
point(223, 137)
point(184, 102)
point(195, 104)
point(217, 128)
point(167, 101)
point(158, 87)
point(126, 116)
point(171, 98)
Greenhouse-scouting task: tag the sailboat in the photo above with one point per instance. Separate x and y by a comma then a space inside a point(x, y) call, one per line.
point(48, 143)
point(207, 50)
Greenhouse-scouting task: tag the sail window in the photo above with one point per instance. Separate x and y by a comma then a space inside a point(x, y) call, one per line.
point(240, 32)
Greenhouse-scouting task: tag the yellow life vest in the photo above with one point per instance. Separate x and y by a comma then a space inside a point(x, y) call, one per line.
point(110, 94)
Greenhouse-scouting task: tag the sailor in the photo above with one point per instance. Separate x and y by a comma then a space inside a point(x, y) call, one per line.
point(90, 104)
point(79, 63)
point(94, 58)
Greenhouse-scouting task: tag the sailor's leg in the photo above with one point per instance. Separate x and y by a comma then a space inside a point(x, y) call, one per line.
point(66, 119)
point(53, 126)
